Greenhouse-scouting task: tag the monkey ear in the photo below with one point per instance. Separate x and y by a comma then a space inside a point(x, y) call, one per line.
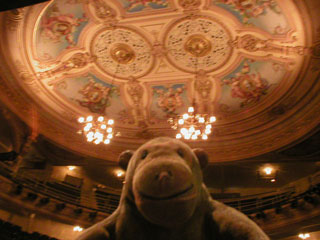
point(202, 157)
point(124, 159)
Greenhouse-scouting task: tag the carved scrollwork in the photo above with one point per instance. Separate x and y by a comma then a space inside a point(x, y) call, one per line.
point(316, 50)
point(198, 41)
point(135, 91)
point(104, 12)
point(252, 43)
point(203, 85)
point(27, 77)
point(14, 17)
point(189, 4)
point(76, 61)
point(122, 52)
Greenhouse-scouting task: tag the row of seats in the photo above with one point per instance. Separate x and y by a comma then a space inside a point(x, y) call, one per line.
point(9, 231)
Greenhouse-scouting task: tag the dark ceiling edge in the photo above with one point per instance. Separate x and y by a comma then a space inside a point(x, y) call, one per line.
point(13, 4)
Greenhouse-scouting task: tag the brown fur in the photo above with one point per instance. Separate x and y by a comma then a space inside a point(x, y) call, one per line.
point(164, 198)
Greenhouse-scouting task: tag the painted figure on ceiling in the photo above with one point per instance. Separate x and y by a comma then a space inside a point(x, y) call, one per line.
point(56, 26)
point(247, 86)
point(145, 4)
point(96, 97)
point(169, 101)
point(252, 8)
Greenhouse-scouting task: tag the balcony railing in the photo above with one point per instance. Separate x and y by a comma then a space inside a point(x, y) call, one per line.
point(106, 200)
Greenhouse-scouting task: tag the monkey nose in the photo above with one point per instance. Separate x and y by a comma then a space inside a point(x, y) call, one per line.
point(163, 176)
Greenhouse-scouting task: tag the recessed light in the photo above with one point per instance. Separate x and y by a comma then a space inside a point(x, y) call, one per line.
point(77, 229)
point(268, 170)
point(304, 235)
point(119, 173)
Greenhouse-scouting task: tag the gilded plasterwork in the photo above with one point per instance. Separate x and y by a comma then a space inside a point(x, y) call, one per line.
point(123, 51)
point(243, 61)
point(199, 42)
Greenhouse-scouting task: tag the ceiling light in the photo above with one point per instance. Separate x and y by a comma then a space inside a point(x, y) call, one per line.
point(304, 235)
point(71, 167)
point(98, 129)
point(268, 170)
point(77, 229)
point(119, 173)
point(272, 180)
point(192, 125)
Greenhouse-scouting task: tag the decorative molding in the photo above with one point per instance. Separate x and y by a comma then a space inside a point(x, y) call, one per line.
point(251, 43)
point(104, 12)
point(135, 91)
point(198, 41)
point(190, 5)
point(122, 52)
point(26, 77)
point(76, 61)
point(14, 18)
point(203, 85)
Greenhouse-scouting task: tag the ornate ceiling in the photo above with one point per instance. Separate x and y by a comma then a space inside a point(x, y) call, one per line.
point(253, 64)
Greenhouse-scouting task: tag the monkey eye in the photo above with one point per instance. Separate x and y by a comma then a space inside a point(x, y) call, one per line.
point(144, 154)
point(180, 152)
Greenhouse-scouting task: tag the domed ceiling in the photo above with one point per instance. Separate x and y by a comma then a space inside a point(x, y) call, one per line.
point(139, 62)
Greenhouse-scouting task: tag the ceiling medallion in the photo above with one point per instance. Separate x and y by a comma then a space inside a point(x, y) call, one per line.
point(123, 50)
point(210, 47)
point(197, 45)
point(122, 53)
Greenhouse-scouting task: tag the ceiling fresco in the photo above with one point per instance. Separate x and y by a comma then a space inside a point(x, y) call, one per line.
point(141, 62)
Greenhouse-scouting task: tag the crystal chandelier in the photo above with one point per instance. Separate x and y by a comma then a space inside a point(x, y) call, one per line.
point(97, 130)
point(192, 125)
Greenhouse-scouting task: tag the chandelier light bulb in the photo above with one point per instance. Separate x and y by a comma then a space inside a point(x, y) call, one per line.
point(97, 141)
point(184, 131)
point(89, 118)
point(212, 119)
point(103, 126)
point(86, 128)
point(207, 131)
point(180, 121)
point(197, 132)
point(110, 121)
point(201, 120)
point(90, 139)
point(208, 126)
point(100, 119)
point(194, 137)
point(90, 135)
point(204, 137)
point(185, 116)
point(107, 141)
point(187, 136)
point(109, 136)
point(178, 136)
point(81, 119)
point(190, 109)
point(109, 130)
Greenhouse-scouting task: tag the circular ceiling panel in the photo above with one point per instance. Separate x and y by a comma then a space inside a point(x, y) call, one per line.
point(122, 52)
point(198, 43)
